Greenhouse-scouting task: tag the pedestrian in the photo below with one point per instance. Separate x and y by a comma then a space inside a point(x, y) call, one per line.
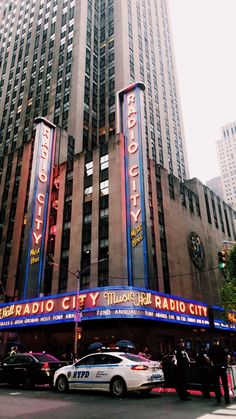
point(144, 353)
point(75, 358)
point(203, 363)
point(182, 366)
point(63, 355)
point(14, 350)
point(219, 359)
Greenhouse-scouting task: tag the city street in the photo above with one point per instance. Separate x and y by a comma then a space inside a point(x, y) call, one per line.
point(16, 403)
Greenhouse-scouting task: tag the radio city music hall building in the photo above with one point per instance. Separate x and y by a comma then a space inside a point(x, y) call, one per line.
point(94, 193)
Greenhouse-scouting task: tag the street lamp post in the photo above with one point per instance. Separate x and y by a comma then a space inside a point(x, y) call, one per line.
point(78, 315)
point(77, 312)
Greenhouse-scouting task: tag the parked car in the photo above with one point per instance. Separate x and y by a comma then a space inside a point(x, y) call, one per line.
point(28, 369)
point(117, 372)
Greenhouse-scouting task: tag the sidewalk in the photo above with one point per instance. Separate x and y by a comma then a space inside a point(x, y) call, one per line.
point(171, 407)
point(163, 390)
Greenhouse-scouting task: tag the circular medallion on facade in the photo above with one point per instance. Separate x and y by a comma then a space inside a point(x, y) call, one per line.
point(196, 250)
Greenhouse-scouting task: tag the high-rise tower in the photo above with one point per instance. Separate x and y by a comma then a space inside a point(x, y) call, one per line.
point(65, 60)
point(226, 148)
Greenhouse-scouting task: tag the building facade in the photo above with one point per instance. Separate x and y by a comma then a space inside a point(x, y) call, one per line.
point(89, 108)
point(226, 156)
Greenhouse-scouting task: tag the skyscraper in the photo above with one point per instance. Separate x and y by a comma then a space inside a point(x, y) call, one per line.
point(226, 149)
point(65, 58)
point(215, 184)
point(65, 61)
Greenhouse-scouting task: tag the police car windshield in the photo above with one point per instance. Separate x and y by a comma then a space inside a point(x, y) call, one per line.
point(135, 358)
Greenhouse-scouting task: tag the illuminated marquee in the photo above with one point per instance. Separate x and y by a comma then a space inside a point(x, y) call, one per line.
point(130, 109)
point(231, 317)
point(224, 319)
point(95, 304)
point(38, 208)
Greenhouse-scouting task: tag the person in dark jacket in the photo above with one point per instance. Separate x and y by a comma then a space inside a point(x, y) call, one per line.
point(182, 363)
point(203, 364)
point(219, 360)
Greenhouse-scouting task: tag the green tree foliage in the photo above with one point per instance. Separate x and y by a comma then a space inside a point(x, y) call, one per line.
point(228, 288)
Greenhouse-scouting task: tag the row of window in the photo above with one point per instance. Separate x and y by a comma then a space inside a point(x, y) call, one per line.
point(221, 217)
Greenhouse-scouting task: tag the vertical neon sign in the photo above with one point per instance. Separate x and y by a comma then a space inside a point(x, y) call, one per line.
point(130, 123)
point(38, 208)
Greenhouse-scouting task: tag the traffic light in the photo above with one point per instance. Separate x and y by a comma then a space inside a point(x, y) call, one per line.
point(222, 259)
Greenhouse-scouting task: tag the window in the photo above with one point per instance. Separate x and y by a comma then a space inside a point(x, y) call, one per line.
point(89, 168)
point(103, 212)
point(103, 243)
point(104, 163)
point(84, 283)
point(171, 187)
point(104, 187)
point(87, 247)
point(87, 218)
point(103, 280)
point(12, 360)
point(88, 360)
point(207, 206)
point(88, 191)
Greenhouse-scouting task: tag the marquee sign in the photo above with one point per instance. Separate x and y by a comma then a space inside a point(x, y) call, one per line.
point(224, 320)
point(117, 302)
point(130, 111)
point(38, 208)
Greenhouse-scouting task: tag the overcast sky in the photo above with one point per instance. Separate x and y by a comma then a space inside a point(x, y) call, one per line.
point(204, 33)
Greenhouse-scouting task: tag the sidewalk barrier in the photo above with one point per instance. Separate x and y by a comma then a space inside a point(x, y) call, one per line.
point(231, 375)
point(194, 381)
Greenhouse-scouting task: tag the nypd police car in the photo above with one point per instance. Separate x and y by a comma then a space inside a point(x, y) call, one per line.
point(116, 372)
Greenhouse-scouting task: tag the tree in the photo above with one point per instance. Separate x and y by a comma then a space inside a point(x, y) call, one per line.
point(228, 288)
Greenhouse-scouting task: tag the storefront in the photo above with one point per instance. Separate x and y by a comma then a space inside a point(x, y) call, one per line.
point(110, 314)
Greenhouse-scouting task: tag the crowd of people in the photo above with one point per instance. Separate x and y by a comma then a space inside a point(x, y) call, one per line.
point(212, 366)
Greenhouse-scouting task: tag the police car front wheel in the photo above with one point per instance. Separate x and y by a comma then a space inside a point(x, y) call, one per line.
point(118, 387)
point(62, 384)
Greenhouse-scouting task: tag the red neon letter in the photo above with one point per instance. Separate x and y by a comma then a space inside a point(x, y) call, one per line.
point(131, 122)
point(133, 147)
point(44, 154)
point(131, 99)
point(38, 222)
point(42, 177)
point(40, 198)
point(37, 238)
point(135, 216)
point(134, 185)
point(132, 170)
point(131, 111)
point(134, 199)
point(46, 132)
